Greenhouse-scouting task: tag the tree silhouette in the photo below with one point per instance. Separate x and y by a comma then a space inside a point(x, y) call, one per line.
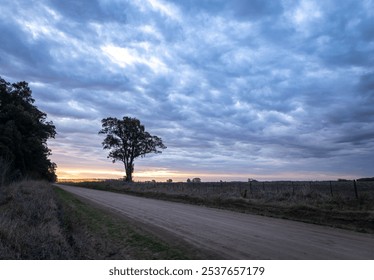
point(127, 139)
point(24, 132)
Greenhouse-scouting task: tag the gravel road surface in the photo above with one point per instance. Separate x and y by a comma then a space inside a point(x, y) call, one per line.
point(232, 235)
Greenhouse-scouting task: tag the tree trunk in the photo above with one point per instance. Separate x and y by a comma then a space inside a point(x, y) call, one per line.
point(129, 171)
point(4, 171)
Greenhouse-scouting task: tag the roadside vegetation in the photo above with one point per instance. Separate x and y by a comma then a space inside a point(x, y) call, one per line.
point(38, 221)
point(325, 203)
point(24, 131)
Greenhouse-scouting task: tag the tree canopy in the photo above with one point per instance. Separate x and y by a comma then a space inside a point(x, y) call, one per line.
point(127, 139)
point(24, 132)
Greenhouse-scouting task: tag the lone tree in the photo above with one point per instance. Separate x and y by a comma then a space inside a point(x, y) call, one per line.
point(126, 139)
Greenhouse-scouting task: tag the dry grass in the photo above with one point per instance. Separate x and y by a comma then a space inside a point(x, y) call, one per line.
point(29, 223)
point(38, 221)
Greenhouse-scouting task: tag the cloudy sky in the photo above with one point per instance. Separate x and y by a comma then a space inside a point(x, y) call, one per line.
point(236, 89)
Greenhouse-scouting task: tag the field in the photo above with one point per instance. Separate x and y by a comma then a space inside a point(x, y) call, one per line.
point(38, 221)
point(343, 204)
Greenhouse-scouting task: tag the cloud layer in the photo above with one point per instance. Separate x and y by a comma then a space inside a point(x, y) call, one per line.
point(236, 89)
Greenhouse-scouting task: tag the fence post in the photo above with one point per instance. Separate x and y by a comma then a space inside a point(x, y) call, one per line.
point(245, 193)
point(293, 189)
point(332, 195)
point(355, 187)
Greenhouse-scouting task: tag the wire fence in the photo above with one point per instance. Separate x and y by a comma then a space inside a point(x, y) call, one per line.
point(261, 190)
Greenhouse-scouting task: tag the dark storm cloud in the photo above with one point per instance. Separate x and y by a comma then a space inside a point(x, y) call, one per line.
point(249, 87)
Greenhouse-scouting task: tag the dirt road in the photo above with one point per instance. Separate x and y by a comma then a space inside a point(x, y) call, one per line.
point(234, 235)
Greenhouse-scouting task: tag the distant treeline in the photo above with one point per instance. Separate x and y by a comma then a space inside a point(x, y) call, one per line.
point(366, 179)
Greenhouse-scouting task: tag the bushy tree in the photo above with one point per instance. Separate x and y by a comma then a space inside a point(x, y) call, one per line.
point(127, 139)
point(24, 132)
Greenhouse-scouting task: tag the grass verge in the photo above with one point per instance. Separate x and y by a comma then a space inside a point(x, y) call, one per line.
point(108, 236)
point(30, 226)
point(38, 221)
